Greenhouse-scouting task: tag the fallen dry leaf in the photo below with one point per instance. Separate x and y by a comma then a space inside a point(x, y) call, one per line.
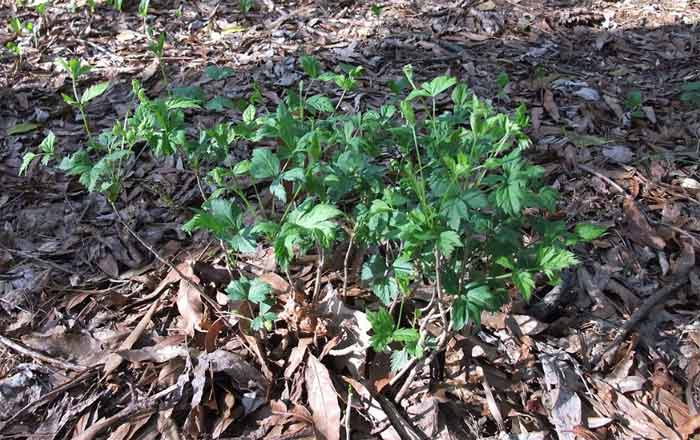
point(322, 399)
point(639, 229)
point(189, 304)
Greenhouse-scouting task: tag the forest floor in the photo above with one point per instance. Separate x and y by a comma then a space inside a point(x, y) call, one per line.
point(91, 325)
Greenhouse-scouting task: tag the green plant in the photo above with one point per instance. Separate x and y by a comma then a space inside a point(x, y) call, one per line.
point(246, 5)
point(157, 47)
point(503, 80)
point(436, 193)
point(691, 93)
point(634, 102)
point(116, 4)
point(76, 70)
point(47, 150)
point(377, 9)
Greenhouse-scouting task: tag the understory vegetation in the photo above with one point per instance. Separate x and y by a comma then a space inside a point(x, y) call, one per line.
point(432, 186)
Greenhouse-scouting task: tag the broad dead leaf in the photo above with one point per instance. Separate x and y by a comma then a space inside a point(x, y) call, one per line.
point(639, 229)
point(322, 399)
point(189, 304)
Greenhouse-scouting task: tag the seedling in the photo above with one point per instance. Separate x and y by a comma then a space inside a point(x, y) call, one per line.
point(77, 70)
point(246, 5)
point(47, 150)
point(634, 102)
point(157, 48)
point(503, 80)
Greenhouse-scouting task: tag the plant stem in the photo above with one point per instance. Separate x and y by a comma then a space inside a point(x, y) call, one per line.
point(319, 269)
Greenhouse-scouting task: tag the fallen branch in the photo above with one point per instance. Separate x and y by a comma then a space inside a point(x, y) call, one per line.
point(46, 398)
point(641, 313)
point(40, 356)
point(149, 405)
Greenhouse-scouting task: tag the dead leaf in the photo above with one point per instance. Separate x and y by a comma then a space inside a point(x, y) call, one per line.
point(322, 399)
point(189, 304)
point(618, 153)
point(550, 105)
point(640, 230)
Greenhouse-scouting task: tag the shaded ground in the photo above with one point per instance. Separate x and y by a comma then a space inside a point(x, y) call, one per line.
point(74, 284)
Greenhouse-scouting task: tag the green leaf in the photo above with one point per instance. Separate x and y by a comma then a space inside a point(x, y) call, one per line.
point(321, 103)
point(259, 290)
point(219, 217)
point(399, 358)
point(48, 145)
point(93, 92)
point(26, 161)
point(242, 167)
point(264, 164)
point(319, 217)
point(23, 127)
point(219, 104)
point(386, 289)
point(277, 189)
point(447, 242)
point(69, 99)
point(460, 95)
point(406, 335)
point(311, 66)
point(237, 290)
point(373, 268)
point(552, 259)
point(249, 114)
point(589, 231)
point(525, 283)
point(407, 112)
point(439, 85)
point(182, 102)
point(408, 73)
point(217, 73)
point(383, 328)
point(403, 267)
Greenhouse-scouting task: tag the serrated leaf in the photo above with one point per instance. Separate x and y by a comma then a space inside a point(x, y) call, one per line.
point(448, 241)
point(249, 114)
point(181, 102)
point(242, 167)
point(589, 231)
point(407, 112)
point(552, 259)
point(321, 103)
point(525, 283)
point(406, 335)
point(219, 104)
point(217, 73)
point(277, 189)
point(373, 268)
point(26, 161)
point(311, 66)
point(48, 145)
point(237, 290)
point(386, 289)
point(403, 267)
point(383, 328)
point(259, 290)
point(399, 359)
point(264, 164)
point(460, 95)
point(438, 85)
point(319, 217)
point(93, 92)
